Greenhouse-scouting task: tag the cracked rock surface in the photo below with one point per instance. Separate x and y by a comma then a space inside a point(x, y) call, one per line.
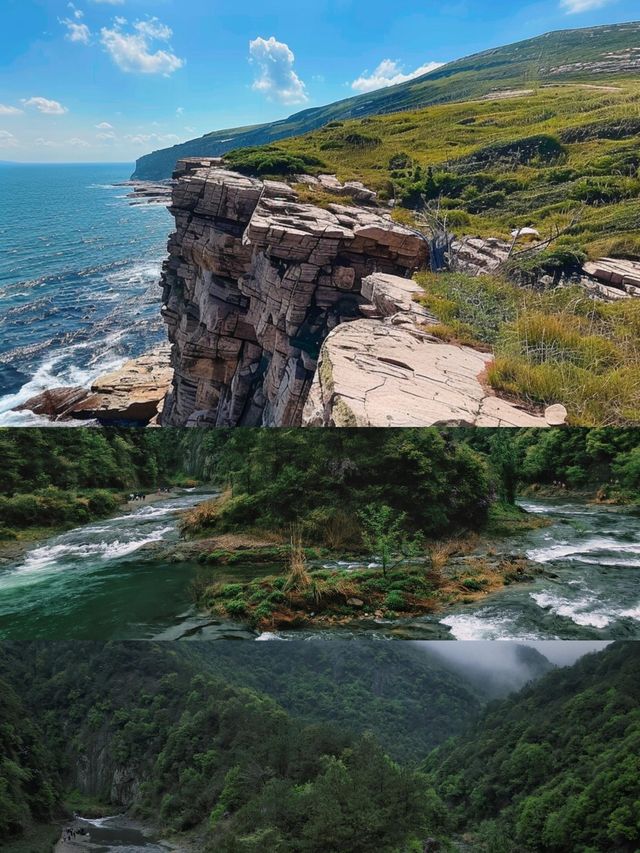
point(372, 373)
point(285, 314)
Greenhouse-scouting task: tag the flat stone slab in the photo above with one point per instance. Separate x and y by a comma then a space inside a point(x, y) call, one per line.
point(617, 273)
point(375, 374)
point(133, 394)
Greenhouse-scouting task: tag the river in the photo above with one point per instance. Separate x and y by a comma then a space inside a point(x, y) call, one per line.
point(105, 581)
point(117, 834)
point(589, 589)
point(112, 580)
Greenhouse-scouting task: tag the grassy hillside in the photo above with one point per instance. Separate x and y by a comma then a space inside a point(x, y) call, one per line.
point(563, 159)
point(559, 153)
point(555, 56)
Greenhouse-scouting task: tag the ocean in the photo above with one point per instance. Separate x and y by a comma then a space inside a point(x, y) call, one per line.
point(79, 273)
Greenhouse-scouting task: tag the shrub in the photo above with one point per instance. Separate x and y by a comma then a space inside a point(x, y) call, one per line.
point(395, 600)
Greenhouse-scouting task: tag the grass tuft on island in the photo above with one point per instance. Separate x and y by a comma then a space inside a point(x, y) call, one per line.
point(394, 585)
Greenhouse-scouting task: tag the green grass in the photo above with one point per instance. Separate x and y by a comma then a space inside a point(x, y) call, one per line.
point(87, 806)
point(551, 346)
point(524, 65)
point(544, 160)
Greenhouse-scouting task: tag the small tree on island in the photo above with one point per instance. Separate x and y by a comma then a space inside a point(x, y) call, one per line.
point(384, 533)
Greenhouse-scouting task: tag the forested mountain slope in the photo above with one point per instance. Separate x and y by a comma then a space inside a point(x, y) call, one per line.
point(584, 54)
point(146, 727)
point(554, 768)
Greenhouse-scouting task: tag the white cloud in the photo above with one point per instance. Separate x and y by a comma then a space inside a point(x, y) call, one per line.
point(179, 111)
point(9, 111)
point(154, 29)
point(573, 7)
point(276, 77)
point(7, 140)
point(132, 51)
point(44, 105)
point(146, 138)
point(78, 143)
point(389, 73)
point(104, 125)
point(47, 143)
point(108, 136)
point(77, 32)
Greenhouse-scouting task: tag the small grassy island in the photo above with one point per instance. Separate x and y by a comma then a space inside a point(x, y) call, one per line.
point(347, 525)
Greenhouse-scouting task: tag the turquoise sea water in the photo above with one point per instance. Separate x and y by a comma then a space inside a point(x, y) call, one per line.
point(79, 272)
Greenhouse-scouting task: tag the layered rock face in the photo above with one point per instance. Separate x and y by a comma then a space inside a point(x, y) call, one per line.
point(254, 283)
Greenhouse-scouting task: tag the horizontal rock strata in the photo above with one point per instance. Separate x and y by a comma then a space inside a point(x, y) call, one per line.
point(254, 283)
point(282, 313)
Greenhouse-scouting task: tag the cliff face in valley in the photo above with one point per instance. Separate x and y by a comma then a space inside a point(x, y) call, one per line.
point(284, 313)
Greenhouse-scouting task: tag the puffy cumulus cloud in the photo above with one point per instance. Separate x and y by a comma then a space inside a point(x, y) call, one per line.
point(45, 143)
point(75, 142)
point(7, 140)
point(6, 110)
point(154, 29)
point(104, 125)
point(76, 31)
point(106, 136)
point(573, 7)
point(276, 77)
point(389, 73)
point(44, 105)
point(133, 51)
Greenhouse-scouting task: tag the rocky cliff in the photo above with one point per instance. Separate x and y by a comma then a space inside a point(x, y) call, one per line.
point(254, 283)
point(282, 313)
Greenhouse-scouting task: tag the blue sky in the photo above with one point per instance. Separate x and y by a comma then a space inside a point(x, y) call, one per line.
point(109, 80)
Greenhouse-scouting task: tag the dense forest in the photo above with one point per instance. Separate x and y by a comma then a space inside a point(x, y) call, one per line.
point(161, 730)
point(555, 768)
point(55, 478)
point(438, 479)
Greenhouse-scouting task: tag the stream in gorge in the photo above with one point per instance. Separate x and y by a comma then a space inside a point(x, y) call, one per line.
point(113, 579)
point(117, 834)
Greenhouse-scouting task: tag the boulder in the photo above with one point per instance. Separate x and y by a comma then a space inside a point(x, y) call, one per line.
point(620, 274)
point(133, 395)
point(477, 255)
point(57, 404)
